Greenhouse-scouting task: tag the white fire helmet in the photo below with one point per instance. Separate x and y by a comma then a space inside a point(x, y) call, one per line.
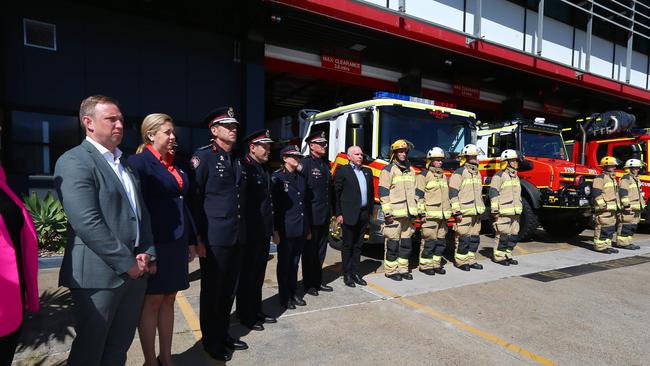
point(509, 154)
point(435, 152)
point(471, 150)
point(634, 163)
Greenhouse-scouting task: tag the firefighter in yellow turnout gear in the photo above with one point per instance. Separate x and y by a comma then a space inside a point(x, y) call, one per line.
point(465, 194)
point(633, 202)
point(506, 206)
point(606, 205)
point(396, 190)
point(435, 209)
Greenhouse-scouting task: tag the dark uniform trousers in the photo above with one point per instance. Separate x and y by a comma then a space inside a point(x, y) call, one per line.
point(317, 172)
point(353, 243)
point(219, 272)
point(314, 256)
point(259, 210)
point(219, 197)
point(289, 251)
point(251, 279)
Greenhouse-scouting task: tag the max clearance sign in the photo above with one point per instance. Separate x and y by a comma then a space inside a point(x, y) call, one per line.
point(340, 64)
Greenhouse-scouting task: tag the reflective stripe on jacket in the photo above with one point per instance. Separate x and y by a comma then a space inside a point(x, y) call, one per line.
point(396, 191)
point(505, 193)
point(605, 192)
point(630, 193)
point(465, 191)
point(435, 200)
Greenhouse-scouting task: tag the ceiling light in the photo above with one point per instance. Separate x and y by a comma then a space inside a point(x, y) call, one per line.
point(358, 47)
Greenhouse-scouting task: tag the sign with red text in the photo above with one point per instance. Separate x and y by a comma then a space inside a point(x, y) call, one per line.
point(467, 91)
point(340, 64)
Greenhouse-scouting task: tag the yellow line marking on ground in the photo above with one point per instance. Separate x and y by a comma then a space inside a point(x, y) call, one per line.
point(522, 250)
point(190, 315)
point(487, 336)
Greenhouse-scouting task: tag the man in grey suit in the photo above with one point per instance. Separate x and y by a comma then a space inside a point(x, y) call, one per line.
point(110, 244)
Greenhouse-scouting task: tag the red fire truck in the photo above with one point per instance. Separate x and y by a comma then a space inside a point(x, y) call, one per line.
point(375, 124)
point(555, 190)
point(612, 133)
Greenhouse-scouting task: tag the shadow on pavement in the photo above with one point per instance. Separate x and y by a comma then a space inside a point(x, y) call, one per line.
point(195, 356)
point(53, 323)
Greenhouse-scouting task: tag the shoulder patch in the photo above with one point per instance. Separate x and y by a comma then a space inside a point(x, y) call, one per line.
point(195, 161)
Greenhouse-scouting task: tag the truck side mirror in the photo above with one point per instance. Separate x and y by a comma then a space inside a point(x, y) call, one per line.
point(525, 164)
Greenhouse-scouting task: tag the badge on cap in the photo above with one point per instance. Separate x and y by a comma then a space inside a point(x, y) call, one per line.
point(231, 112)
point(195, 161)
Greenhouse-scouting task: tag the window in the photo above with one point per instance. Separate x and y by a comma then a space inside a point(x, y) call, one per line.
point(359, 131)
point(37, 140)
point(39, 34)
point(500, 142)
point(601, 152)
point(625, 152)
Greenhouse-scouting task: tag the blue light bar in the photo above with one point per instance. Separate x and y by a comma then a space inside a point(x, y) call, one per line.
point(389, 95)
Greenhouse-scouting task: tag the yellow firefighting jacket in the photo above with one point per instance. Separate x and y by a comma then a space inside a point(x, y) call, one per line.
point(605, 192)
point(630, 192)
point(433, 202)
point(465, 191)
point(396, 191)
point(505, 193)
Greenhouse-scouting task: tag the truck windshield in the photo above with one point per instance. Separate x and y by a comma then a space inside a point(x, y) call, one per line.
point(424, 128)
point(543, 144)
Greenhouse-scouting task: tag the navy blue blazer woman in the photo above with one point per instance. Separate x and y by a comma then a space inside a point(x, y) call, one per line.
point(171, 222)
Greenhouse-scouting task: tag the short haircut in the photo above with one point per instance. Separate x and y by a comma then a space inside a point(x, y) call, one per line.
point(87, 107)
point(354, 147)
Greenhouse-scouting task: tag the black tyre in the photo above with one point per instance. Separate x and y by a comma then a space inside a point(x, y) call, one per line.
point(528, 222)
point(564, 228)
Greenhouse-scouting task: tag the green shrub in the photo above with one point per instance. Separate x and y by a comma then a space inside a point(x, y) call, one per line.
point(50, 221)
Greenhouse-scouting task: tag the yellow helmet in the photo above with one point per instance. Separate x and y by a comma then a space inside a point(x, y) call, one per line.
point(609, 160)
point(399, 144)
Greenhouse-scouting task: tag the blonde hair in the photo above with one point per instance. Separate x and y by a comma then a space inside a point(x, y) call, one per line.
point(151, 124)
point(87, 107)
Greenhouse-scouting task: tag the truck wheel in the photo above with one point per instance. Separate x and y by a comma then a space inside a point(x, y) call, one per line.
point(528, 222)
point(560, 229)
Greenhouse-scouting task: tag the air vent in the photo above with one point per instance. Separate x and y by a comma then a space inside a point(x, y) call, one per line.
point(39, 34)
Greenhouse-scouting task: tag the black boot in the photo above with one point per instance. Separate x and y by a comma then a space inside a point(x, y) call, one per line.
point(464, 267)
point(407, 276)
point(395, 277)
point(440, 270)
point(476, 266)
point(428, 271)
point(514, 262)
point(504, 262)
point(612, 250)
point(298, 301)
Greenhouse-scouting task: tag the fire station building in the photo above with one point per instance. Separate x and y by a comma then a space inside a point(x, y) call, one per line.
point(557, 59)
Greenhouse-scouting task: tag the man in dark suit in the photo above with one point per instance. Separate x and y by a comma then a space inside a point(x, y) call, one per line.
point(110, 245)
point(355, 197)
point(220, 188)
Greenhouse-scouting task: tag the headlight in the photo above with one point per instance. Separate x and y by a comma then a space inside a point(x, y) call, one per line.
point(587, 190)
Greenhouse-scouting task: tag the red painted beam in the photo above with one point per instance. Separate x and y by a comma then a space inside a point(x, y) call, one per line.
point(385, 21)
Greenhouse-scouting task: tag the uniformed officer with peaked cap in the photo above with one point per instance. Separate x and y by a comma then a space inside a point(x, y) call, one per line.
point(258, 212)
point(291, 223)
point(316, 169)
point(220, 183)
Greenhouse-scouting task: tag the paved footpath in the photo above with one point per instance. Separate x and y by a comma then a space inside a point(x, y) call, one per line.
point(563, 304)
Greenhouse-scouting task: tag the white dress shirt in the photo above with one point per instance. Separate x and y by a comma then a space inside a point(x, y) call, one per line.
point(123, 176)
point(362, 183)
